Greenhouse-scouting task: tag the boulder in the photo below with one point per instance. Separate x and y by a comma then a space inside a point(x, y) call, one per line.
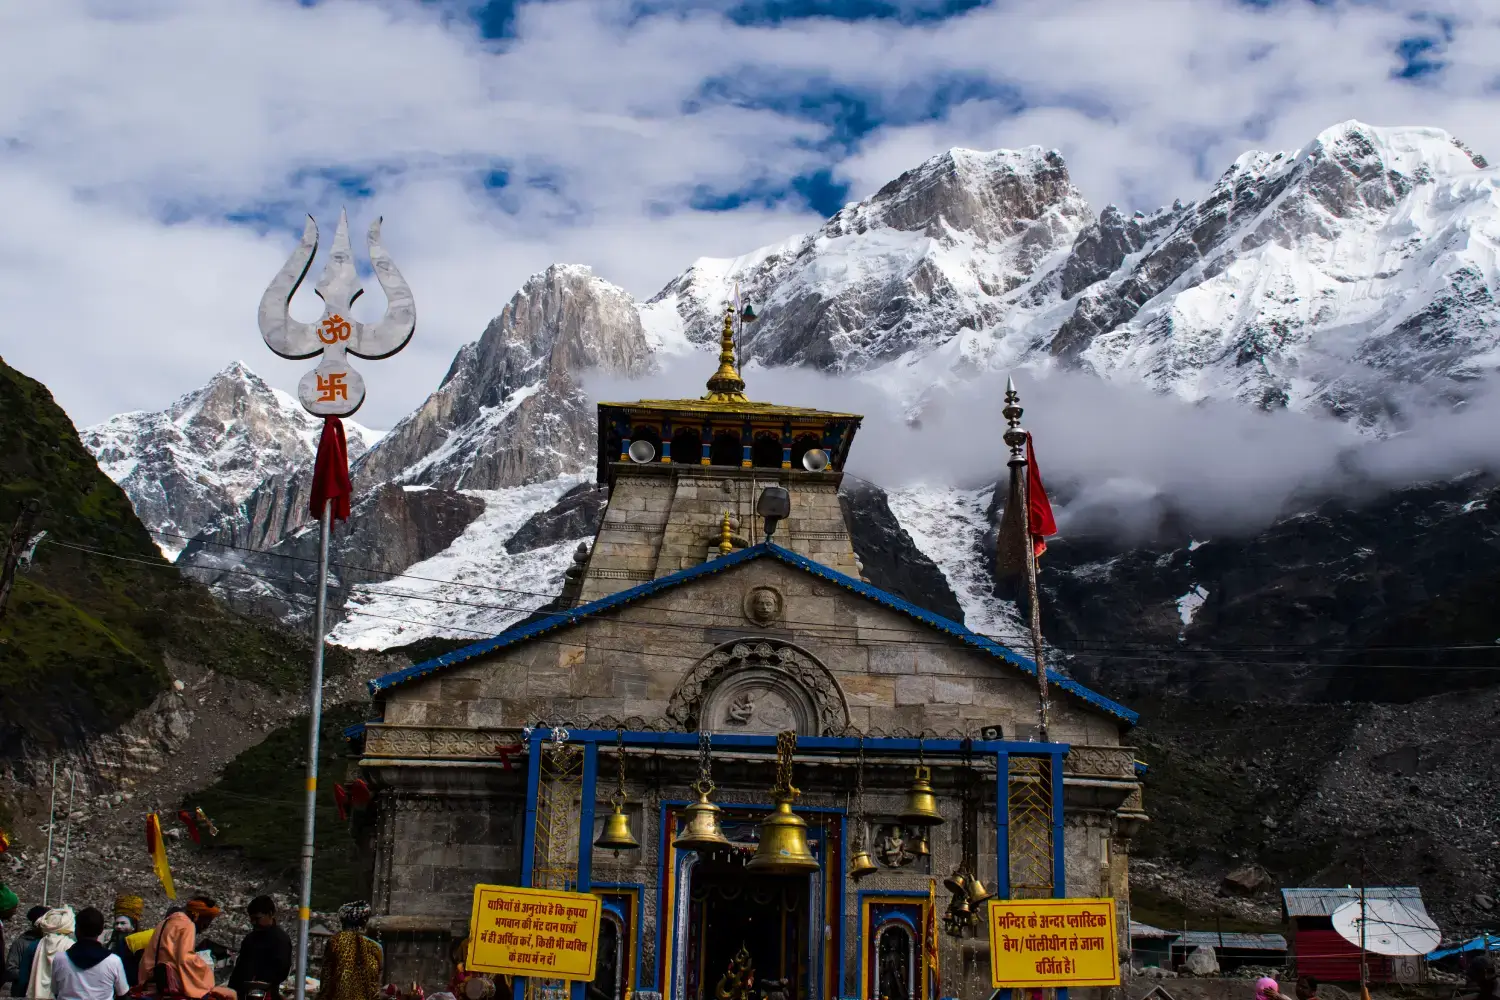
point(1202, 961)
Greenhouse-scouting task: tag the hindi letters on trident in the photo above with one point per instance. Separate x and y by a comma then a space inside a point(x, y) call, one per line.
point(1053, 942)
point(533, 932)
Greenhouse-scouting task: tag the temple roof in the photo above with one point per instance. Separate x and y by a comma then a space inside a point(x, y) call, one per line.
point(748, 408)
point(765, 550)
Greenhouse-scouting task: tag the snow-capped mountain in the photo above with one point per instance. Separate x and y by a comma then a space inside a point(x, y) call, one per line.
point(1334, 277)
point(1348, 277)
point(185, 465)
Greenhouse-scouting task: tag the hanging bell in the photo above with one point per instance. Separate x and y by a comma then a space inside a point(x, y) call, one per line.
point(957, 883)
point(783, 846)
point(701, 832)
point(976, 893)
point(616, 835)
point(861, 865)
point(919, 846)
point(921, 804)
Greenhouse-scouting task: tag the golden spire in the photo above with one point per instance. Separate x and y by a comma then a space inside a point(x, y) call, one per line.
point(726, 545)
point(726, 385)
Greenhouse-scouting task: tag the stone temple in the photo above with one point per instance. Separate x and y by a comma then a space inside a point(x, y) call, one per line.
point(693, 616)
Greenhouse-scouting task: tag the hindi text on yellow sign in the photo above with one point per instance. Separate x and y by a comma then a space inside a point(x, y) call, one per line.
point(533, 932)
point(1053, 942)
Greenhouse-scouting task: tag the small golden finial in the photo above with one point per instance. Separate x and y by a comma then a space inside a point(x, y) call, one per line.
point(726, 544)
point(726, 385)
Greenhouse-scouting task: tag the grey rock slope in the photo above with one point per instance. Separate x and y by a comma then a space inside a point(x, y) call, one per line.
point(510, 410)
point(932, 253)
point(185, 466)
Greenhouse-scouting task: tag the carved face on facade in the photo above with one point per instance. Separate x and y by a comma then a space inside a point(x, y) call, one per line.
point(763, 605)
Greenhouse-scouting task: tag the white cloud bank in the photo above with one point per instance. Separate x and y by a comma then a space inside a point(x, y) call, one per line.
point(129, 128)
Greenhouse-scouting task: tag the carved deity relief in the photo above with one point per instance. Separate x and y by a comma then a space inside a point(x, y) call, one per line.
point(763, 605)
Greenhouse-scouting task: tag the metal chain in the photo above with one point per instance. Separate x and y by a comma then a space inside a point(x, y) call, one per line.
point(705, 782)
point(620, 769)
point(859, 798)
point(786, 746)
point(970, 807)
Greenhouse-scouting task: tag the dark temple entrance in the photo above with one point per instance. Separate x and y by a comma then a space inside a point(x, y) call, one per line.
point(764, 914)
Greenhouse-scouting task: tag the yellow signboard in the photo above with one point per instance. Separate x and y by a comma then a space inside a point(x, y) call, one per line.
point(533, 932)
point(1053, 942)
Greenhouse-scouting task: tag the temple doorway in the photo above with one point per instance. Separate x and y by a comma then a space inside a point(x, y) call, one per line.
point(746, 924)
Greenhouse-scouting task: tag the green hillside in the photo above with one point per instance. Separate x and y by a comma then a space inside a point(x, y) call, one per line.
point(84, 640)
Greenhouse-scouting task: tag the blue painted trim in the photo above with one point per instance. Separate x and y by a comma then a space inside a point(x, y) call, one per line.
point(1002, 825)
point(1059, 844)
point(835, 745)
point(355, 731)
point(586, 795)
point(1142, 769)
point(562, 619)
point(1059, 848)
point(528, 843)
point(640, 918)
point(842, 981)
point(918, 899)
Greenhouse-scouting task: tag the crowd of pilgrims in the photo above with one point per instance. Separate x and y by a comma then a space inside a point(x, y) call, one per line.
point(66, 954)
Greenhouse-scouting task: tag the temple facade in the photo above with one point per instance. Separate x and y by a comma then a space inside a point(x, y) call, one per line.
point(705, 652)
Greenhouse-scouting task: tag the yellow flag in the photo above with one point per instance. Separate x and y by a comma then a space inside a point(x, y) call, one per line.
point(158, 848)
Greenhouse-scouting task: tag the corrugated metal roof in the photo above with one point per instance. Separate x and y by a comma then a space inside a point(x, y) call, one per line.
point(1140, 930)
point(1322, 902)
point(1232, 939)
point(1489, 942)
point(521, 633)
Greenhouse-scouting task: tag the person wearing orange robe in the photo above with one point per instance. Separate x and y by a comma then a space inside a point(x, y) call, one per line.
point(172, 947)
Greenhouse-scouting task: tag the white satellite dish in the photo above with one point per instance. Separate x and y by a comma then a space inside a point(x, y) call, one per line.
point(1391, 927)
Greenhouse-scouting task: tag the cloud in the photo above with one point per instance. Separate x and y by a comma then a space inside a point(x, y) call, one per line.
point(156, 155)
point(1117, 458)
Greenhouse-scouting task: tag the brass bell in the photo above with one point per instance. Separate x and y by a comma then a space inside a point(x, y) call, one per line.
point(959, 907)
point(957, 883)
point(860, 864)
point(919, 846)
point(616, 835)
point(701, 832)
point(976, 893)
point(921, 804)
point(783, 846)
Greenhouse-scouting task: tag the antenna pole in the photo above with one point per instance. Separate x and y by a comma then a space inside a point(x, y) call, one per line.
point(1364, 971)
point(62, 885)
point(51, 825)
point(1015, 437)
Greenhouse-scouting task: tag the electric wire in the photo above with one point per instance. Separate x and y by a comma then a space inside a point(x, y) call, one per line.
point(1115, 649)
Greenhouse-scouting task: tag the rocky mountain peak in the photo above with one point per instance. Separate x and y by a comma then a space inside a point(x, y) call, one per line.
point(207, 450)
point(929, 255)
point(509, 411)
point(994, 194)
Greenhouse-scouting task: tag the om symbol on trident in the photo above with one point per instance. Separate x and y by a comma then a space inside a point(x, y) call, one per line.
point(333, 388)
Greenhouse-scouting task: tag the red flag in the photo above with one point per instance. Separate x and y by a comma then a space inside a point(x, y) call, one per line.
point(189, 821)
point(341, 799)
point(1015, 532)
point(359, 793)
point(331, 471)
point(1039, 508)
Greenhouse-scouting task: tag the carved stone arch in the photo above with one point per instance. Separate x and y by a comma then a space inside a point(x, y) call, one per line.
point(784, 683)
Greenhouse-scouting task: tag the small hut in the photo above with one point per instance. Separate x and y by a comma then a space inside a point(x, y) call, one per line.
point(1150, 947)
point(1232, 949)
point(1319, 950)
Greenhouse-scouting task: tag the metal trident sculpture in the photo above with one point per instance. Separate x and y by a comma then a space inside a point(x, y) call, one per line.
point(334, 388)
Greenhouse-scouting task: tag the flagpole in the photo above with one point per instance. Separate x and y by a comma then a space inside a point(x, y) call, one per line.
point(1016, 438)
point(315, 712)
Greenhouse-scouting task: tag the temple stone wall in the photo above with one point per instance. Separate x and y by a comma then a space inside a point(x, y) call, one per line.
point(662, 519)
point(893, 673)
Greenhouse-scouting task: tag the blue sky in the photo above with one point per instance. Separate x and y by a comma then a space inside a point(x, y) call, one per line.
point(156, 156)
